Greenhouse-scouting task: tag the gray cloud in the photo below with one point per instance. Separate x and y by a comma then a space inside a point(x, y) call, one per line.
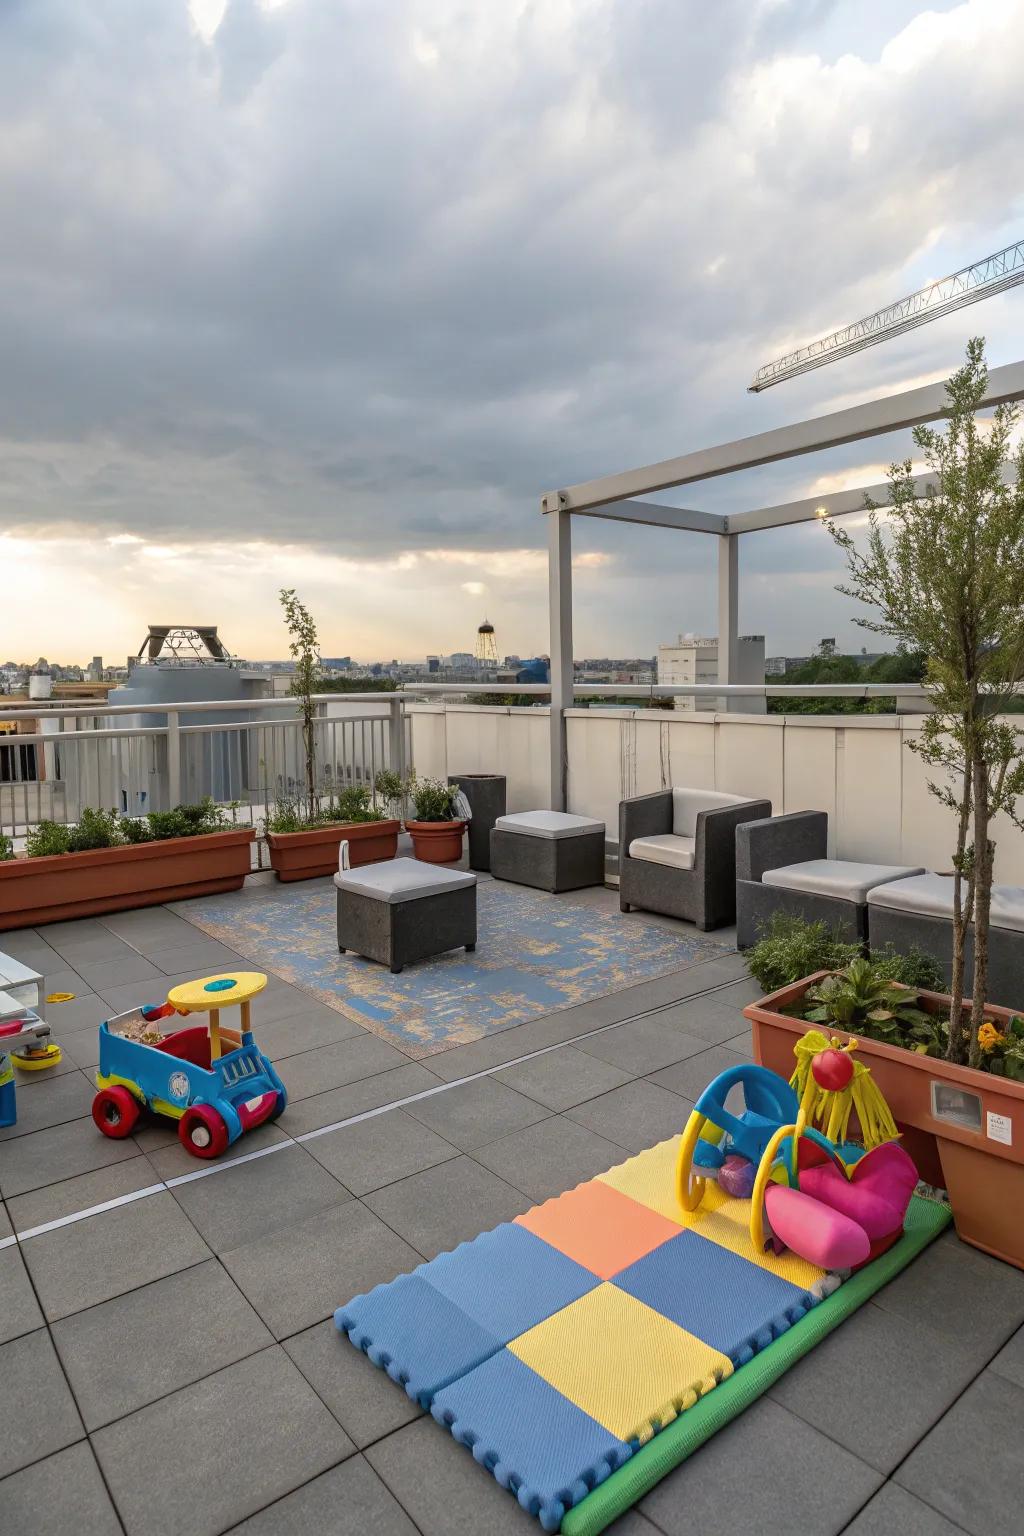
point(373, 277)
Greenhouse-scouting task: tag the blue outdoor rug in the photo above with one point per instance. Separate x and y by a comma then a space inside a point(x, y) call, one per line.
point(535, 954)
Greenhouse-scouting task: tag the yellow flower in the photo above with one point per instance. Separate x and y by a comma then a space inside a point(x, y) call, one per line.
point(989, 1036)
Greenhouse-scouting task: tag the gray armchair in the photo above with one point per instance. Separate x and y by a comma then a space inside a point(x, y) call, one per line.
point(677, 853)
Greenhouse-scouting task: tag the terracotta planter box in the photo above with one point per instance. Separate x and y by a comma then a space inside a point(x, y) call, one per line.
point(436, 842)
point(304, 855)
point(963, 1128)
point(67, 885)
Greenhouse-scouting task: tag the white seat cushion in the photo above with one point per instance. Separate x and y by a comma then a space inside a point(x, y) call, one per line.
point(402, 880)
point(687, 805)
point(839, 878)
point(666, 848)
point(932, 896)
point(547, 824)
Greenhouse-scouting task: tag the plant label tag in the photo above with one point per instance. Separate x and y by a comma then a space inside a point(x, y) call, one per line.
point(999, 1128)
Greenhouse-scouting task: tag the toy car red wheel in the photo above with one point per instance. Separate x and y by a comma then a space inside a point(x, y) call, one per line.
point(115, 1111)
point(202, 1131)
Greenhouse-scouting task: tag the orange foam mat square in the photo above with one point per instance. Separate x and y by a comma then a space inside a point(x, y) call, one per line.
point(599, 1226)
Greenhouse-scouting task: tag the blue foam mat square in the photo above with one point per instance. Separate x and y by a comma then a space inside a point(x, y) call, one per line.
point(715, 1294)
point(538, 1444)
point(421, 1338)
point(508, 1280)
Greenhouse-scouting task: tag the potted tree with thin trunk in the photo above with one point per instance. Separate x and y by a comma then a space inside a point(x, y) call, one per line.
point(943, 572)
point(303, 832)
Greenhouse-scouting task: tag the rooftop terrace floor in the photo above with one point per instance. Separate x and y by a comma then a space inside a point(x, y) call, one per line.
point(169, 1361)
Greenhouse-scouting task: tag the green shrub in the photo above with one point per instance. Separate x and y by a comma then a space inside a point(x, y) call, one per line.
point(391, 788)
point(95, 829)
point(6, 847)
point(914, 969)
point(187, 820)
point(352, 804)
point(434, 800)
point(136, 829)
point(46, 839)
point(791, 948)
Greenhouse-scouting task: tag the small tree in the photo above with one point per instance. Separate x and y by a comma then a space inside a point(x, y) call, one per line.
point(944, 573)
point(304, 646)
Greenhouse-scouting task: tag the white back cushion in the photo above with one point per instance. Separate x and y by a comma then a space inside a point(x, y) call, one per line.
point(688, 803)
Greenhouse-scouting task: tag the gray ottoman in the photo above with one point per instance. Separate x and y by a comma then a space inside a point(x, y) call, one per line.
point(550, 850)
point(404, 910)
point(918, 913)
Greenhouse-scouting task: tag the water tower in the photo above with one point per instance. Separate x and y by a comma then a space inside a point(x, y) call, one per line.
point(486, 651)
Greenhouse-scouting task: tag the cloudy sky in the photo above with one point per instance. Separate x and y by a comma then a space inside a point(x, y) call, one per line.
point(326, 293)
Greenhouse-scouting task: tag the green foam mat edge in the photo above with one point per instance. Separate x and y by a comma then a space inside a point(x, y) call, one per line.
point(671, 1446)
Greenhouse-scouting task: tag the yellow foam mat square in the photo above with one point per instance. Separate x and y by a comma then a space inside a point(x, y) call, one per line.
point(626, 1365)
point(650, 1178)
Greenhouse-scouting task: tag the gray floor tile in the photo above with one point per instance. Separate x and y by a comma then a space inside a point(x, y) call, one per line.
point(379, 1151)
point(478, 1112)
point(444, 1490)
point(61, 1496)
point(635, 1116)
point(332, 1066)
point(313, 1026)
point(19, 1310)
point(246, 1202)
point(81, 1049)
point(934, 1286)
point(210, 1455)
point(893, 1510)
point(78, 1194)
point(159, 1139)
point(86, 1011)
point(563, 1078)
point(104, 1256)
point(742, 1044)
point(644, 1046)
point(689, 1078)
point(298, 1276)
point(1010, 1360)
point(899, 1376)
point(53, 1101)
point(137, 925)
point(29, 946)
point(126, 1353)
point(447, 1205)
point(548, 1158)
point(39, 1413)
point(206, 957)
point(970, 1467)
point(133, 993)
point(364, 1400)
point(102, 946)
point(101, 975)
point(282, 1001)
point(356, 1098)
point(64, 979)
point(350, 1500)
point(766, 1470)
point(707, 1019)
point(45, 1157)
point(77, 930)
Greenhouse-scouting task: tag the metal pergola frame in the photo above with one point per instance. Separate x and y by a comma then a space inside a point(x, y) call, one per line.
point(620, 497)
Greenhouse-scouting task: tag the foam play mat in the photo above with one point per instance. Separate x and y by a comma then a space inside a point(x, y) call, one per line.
point(588, 1347)
point(535, 953)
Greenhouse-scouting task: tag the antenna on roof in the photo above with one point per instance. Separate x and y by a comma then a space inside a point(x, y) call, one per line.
point(970, 285)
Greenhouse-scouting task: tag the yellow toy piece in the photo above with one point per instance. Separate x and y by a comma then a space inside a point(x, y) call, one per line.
point(35, 1060)
point(690, 1187)
point(212, 993)
point(830, 1109)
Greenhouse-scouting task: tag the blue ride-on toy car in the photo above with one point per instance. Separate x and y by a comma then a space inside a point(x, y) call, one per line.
point(214, 1081)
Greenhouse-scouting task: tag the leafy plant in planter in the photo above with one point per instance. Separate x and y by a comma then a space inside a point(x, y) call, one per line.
point(943, 573)
point(6, 847)
point(304, 646)
point(790, 948)
point(1003, 1053)
point(434, 800)
point(861, 1001)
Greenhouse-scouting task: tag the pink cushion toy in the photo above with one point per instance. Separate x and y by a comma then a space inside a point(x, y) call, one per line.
point(817, 1233)
point(877, 1193)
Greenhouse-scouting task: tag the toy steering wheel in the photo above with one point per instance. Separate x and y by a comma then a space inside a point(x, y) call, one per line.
point(770, 1102)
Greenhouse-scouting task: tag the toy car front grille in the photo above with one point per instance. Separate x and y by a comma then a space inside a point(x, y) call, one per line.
point(236, 1069)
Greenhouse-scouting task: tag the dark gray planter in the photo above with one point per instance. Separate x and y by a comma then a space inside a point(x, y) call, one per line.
point(486, 795)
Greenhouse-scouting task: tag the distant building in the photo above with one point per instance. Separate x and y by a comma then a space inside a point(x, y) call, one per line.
point(694, 659)
point(775, 666)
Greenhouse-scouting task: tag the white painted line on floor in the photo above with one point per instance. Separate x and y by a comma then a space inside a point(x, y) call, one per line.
point(211, 1168)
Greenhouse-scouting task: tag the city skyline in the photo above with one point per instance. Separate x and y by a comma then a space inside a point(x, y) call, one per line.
point(289, 339)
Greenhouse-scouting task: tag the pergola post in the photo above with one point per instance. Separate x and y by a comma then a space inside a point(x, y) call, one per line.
point(560, 625)
point(728, 609)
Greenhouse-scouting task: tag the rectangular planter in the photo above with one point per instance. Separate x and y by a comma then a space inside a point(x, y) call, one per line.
point(963, 1128)
point(305, 855)
point(62, 886)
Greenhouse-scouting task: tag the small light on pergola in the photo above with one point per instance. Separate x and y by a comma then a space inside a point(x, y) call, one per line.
point(821, 513)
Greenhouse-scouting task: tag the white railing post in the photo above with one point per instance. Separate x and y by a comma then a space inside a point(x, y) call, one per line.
point(173, 759)
point(396, 735)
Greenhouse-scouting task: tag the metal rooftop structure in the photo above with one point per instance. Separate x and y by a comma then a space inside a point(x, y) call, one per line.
point(622, 497)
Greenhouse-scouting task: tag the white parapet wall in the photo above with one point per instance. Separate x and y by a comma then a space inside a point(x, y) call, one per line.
point(858, 768)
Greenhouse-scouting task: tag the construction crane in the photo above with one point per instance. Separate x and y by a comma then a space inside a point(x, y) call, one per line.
point(991, 275)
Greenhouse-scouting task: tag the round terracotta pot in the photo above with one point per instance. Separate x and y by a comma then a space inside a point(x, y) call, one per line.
point(437, 842)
